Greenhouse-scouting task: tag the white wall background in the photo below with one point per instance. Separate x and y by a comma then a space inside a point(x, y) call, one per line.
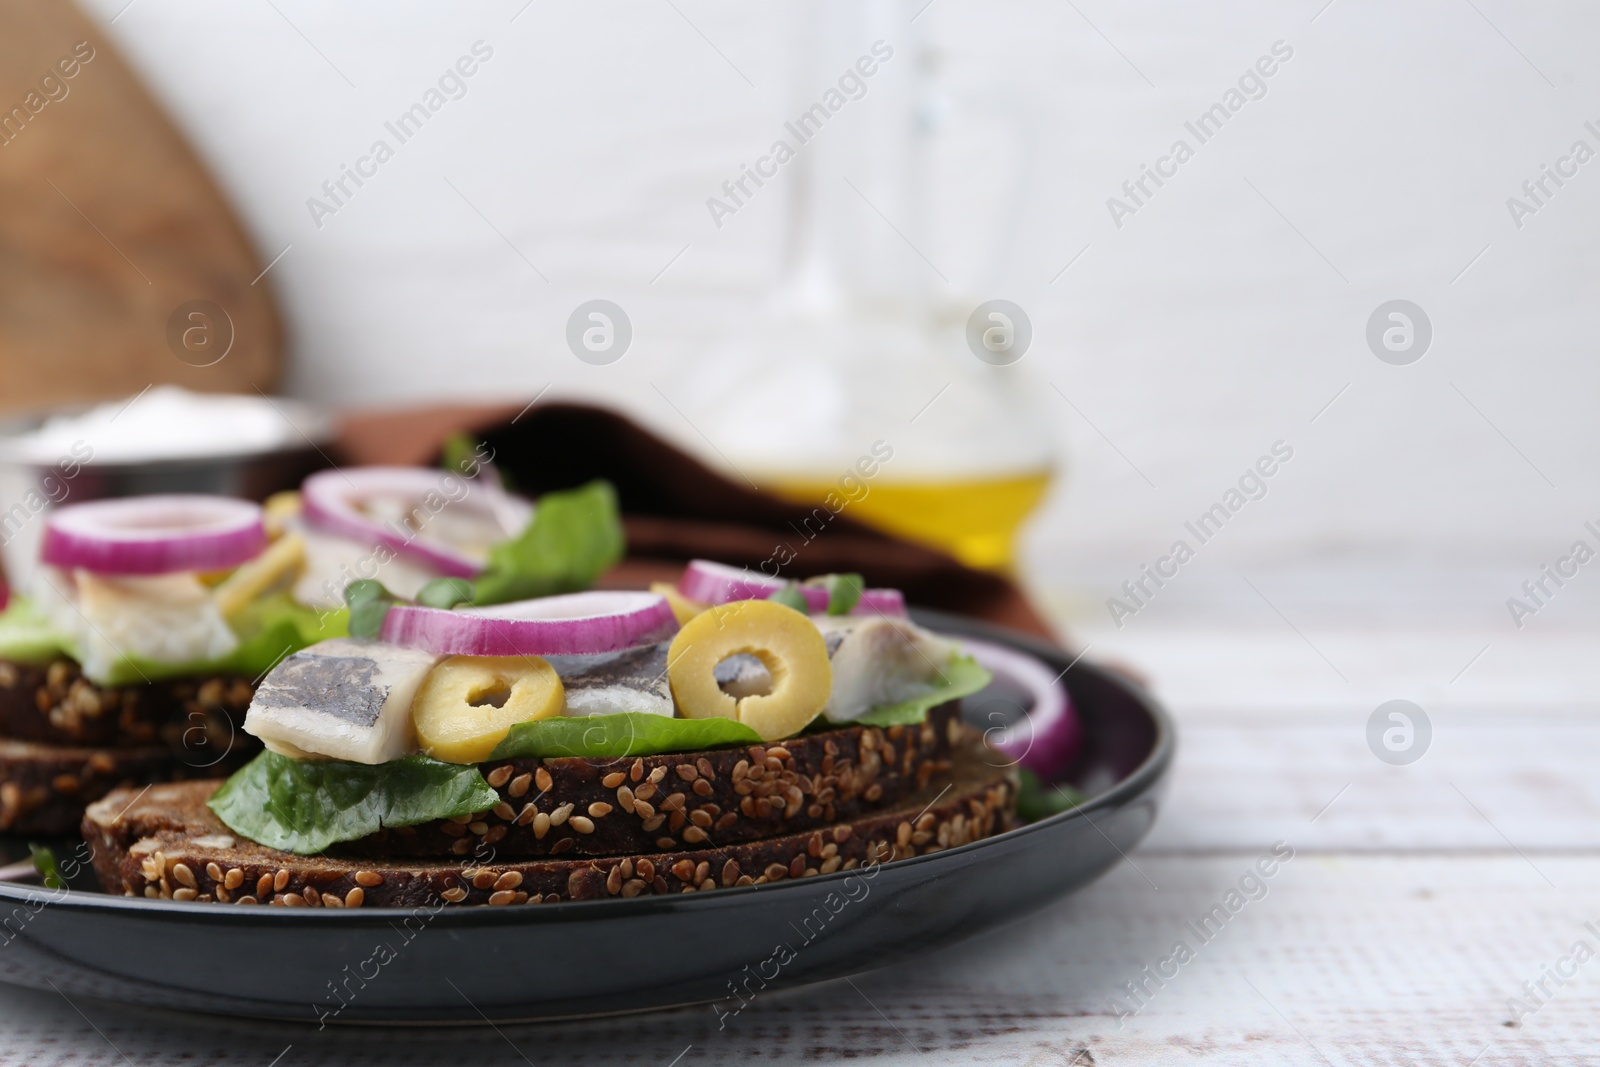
point(1203, 330)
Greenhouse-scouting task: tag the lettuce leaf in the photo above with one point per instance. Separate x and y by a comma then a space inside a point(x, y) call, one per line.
point(1036, 800)
point(961, 677)
point(631, 733)
point(575, 536)
point(304, 806)
point(27, 636)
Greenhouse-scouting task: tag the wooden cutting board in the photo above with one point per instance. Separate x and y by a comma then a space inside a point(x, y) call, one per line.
point(110, 230)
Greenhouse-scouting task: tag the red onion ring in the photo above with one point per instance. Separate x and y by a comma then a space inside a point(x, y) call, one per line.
point(154, 534)
point(717, 583)
point(329, 501)
point(574, 624)
point(1049, 736)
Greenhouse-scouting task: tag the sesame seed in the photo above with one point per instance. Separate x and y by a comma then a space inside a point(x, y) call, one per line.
point(280, 879)
point(702, 787)
point(504, 811)
point(636, 771)
point(501, 898)
point(508, 880)
point(542, 779)
point(233, 879)
point(633, 887)
point(694, 835)
point(355, 898)
point(184, 894)
point(657, 774)
point(614, 779)
point(582, 824)
point(213, 871)
point(455, 894)
point(559, 816)
point(541, 825)
point(599, 809)
point(182, 873)
point(687, 772)
point(625, 799)
point(500, 775)
point(293, 900)
point(519, 785)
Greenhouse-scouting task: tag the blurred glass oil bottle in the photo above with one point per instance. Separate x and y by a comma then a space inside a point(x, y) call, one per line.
point(864, 339)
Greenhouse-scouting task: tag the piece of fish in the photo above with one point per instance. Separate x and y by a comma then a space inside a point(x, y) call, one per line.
point(633, 679)
point(879, 660)
point(344, 699)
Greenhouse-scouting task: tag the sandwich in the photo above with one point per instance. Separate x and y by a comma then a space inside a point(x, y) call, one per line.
point(741, 731)
point(134, 650)
point(132, 655)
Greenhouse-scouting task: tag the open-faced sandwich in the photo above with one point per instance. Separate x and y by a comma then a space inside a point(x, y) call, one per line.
point(131, 652)
point(729, 731)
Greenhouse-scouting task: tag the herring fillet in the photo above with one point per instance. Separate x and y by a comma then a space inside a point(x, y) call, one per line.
point(632, 679)
point(879, 660)
point(344, 698)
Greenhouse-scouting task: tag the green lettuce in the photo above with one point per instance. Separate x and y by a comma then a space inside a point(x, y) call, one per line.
point(304, 806)
point(631, 733)
point(961, 677)
point(26, 636)
point(575, 536)
point(1036, 800)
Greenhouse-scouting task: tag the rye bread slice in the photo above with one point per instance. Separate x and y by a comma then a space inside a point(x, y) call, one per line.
point(44, 788)
point(168, 844)
point(615, 807)
point(53, 703)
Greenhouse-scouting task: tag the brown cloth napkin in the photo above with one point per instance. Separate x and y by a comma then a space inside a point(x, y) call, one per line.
point(675, 508)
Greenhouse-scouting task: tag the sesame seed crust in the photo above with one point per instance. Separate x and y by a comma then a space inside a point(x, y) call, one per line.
point(169, 838)
point(604, 807)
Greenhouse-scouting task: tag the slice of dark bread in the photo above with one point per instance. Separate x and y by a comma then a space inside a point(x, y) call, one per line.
point(613, 807)
point(167, 843)
point(44, 788)
point(55, 704)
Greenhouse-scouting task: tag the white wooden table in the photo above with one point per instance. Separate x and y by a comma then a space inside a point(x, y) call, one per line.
point(1419, 900)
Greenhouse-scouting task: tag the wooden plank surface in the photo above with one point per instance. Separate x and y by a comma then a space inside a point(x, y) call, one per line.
point(1417, 903)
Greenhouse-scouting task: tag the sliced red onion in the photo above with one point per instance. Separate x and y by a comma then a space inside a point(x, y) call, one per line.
point(717, 583)
point(1049, 736)
point(575, 624)
point(331, 501)
point(154, 534)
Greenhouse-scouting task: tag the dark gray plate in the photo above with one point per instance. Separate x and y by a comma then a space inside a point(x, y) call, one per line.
point(596, 957)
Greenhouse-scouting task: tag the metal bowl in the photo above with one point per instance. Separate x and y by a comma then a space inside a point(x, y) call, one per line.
point(31, 484)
